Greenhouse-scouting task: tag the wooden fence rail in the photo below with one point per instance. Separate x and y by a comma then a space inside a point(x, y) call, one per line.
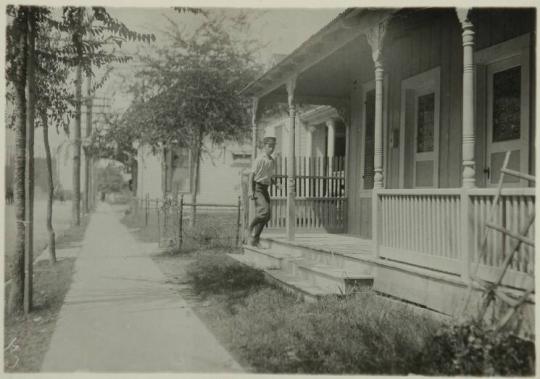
point(171, 217)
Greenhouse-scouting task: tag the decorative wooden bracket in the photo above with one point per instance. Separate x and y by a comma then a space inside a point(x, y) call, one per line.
point(375, 38)
point(291, 87)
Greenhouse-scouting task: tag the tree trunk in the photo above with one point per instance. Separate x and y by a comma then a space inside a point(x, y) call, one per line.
point(14, 301)
point(50, 198)
point(196, 179)
point(87, 155)
point(76, 205)
point(92, 184)
point(134, 176)
point(29, 206)
point(164, 172)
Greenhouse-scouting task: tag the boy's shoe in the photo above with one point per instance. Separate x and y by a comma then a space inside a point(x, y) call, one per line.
point(254, 241)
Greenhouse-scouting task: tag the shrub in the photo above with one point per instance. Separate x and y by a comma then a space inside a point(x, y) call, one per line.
point(215, 273)
point(473, 349)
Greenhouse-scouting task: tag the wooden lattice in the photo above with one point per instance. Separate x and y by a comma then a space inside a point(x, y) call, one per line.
point(492, 291)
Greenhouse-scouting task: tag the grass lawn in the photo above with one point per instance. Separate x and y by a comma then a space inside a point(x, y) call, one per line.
point(61, 223)
point(27, 338)
point(269, 331)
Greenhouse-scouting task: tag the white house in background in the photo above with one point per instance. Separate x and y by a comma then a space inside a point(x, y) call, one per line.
point(172, 171)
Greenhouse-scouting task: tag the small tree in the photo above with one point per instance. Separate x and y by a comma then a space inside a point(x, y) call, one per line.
point(52, 106)
point(198, 79)
point(27, 24)
point(16, 50)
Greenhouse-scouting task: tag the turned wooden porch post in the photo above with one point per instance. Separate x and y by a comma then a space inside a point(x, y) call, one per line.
point(375, 37)
point(331, 142)
point(468, 174)
point(291, 176)
point(468, 98)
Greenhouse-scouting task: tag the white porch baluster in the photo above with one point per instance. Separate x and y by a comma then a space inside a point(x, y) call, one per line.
point(291, 187)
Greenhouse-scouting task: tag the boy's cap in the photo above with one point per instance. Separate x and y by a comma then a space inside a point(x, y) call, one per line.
point(271, 140)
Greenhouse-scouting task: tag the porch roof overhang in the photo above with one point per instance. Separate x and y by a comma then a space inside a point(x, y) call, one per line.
point(322, 64)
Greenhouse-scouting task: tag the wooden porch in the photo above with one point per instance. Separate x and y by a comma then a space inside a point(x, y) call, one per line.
point(427, 245)
point(342, 244)
point(420, 208)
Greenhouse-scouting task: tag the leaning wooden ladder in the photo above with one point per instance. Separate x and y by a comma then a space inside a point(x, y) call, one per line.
point(493, 290)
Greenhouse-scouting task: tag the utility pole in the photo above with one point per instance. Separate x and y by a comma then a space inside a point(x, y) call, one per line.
point(87, 154)
point(76, 205)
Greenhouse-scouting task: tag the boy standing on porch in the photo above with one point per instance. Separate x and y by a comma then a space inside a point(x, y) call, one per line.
point(260, 178)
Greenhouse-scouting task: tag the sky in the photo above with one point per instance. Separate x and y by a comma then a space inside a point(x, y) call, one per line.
point(282, 29)
point(279, 30)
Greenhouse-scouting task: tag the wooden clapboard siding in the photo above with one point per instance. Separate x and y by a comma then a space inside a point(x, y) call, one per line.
point(354, 161)
point(392, 176)
point(359, 221)
point(318, 140)
point(454, 159)
point(493, 26)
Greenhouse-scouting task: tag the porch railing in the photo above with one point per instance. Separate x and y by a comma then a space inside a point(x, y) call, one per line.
point(320, 201)
point(443, 229)
point(421, 227)
point(329, 213)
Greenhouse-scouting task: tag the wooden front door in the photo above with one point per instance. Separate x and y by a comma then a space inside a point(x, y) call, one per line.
point(507, 119)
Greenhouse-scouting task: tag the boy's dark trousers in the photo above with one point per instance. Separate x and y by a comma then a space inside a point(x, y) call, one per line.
point(262, 211)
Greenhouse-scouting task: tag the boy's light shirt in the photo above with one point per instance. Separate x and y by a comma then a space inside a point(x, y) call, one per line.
point(263, 169)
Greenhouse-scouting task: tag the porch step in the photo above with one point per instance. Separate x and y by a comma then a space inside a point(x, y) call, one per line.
point(358, 258)
point(337, 280)
point(264, 257)
point(244, 259)
point(287, 281)
point(293, 284)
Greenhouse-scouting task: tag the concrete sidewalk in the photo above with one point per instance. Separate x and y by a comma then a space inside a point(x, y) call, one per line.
point(120, 315)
